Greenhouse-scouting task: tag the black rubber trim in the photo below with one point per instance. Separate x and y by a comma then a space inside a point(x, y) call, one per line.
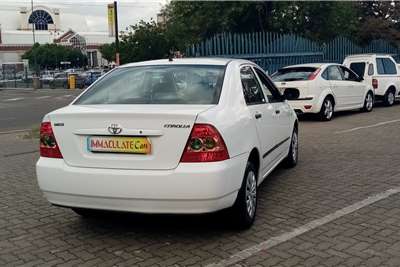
point(303, 98)
point(275, 147)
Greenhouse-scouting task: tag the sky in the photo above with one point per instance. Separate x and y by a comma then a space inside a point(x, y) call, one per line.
point(84, 15)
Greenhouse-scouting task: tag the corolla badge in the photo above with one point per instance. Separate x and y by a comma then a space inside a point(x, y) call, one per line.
point(115, 128)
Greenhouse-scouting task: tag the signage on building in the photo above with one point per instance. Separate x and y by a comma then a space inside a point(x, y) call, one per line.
point(111, 19)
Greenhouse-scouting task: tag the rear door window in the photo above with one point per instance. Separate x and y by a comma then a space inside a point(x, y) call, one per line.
point(358, 68)
point(334, 73)
point(385, 66)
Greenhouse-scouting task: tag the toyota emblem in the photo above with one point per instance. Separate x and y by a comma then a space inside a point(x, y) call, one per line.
point(115, 129)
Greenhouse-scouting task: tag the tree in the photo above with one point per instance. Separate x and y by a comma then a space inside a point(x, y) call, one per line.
point(108, 51)
point(379, 20)
point(49, 56)
point(144, 41)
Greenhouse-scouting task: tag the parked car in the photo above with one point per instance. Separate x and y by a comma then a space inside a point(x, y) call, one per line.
point(378, 71)
point(60, 80)
point(92, 76)
point(137, 142)
point(323, 89)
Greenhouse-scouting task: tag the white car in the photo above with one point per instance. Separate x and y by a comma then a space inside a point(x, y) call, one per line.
point(378, 71)
point(187, 136)
point(323, 89)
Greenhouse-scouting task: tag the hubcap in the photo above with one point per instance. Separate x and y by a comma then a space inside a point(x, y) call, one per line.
point(328, 109)
point(369, 102)
point(390, 98)
point(251, 193)
point(295, 145)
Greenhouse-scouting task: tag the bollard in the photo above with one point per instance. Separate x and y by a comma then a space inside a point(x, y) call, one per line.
point(35, 83)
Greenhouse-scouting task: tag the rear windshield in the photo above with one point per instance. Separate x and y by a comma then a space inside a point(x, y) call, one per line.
point(293, 74)
point(173, 84)
point(358, 67)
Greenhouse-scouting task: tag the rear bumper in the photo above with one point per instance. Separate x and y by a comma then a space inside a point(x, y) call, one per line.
point(306, 105)
point(190, 188)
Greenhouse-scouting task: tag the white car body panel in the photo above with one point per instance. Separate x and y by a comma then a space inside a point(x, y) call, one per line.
point(385, 81)
point(347, 95)
point(160, 183)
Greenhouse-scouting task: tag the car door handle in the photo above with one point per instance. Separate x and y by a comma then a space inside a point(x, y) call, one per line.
point(258, 115)
point(277, 111)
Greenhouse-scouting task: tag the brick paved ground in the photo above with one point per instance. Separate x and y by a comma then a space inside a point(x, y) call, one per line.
point(335, 170)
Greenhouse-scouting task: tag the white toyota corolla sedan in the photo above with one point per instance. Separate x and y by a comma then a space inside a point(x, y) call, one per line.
point(323, 88)
point(181, 136)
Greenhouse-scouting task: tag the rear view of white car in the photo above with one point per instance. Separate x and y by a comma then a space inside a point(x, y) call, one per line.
point(378, 71)
point(323, 89)
point(187, 136)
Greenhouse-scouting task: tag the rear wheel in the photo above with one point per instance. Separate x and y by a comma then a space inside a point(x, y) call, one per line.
point(244, 209)
point(327, 109)
point(293, 155)
point(389, 97)
point(368, 102)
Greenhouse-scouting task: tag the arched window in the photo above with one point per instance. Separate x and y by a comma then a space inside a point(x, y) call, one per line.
point(40, 19)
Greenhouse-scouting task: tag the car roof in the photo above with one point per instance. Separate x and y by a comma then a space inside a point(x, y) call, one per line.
point(188, 61)
point(368, 55)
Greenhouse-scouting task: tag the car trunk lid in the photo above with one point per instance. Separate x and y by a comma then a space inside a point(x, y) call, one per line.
point(167, 128)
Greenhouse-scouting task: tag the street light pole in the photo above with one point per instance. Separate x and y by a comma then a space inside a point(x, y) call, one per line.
point(33, 25)
point(116, 34)
point(34, 41)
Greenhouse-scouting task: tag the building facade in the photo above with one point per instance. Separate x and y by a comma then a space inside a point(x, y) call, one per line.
point(46, 25)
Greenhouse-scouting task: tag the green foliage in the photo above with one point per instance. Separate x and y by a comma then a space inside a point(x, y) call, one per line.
point(189, 22)
point(108, 51)
point(144, 41)
point(379, 20)
point(318, 20)
point(49, 56)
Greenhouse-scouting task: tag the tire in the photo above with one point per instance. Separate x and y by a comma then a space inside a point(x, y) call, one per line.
point(293, 154)
point(244, 210)
point(389, 97)
point(327, 109)
point(368, 102)
point(86, 213)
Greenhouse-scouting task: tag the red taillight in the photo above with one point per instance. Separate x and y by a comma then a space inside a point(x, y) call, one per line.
point(48, 144)
point(314, 74)
point(205, 144)
point(374, 83)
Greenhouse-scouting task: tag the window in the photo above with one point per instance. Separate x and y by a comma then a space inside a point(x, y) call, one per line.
point(358, 67)
point(385, 66)
point(40, 20)
point(172, 84)
point(251, 89)
point(292, 74)
point(325, 74)
point(371, 69)
point(349, 75)
point(269, 88)
point(334, 73)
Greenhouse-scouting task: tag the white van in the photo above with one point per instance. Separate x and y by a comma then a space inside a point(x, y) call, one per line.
point(380, 71)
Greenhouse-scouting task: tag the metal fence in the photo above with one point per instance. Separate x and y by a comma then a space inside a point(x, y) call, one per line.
point(272, 50)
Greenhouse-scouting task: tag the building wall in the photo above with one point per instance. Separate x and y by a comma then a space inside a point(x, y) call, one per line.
point(10, 56)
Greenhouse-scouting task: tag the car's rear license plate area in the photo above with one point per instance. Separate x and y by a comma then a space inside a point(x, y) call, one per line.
point(119, 144)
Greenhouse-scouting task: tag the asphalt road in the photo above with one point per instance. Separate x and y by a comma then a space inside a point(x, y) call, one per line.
point(24, 109)
point(339, 207)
